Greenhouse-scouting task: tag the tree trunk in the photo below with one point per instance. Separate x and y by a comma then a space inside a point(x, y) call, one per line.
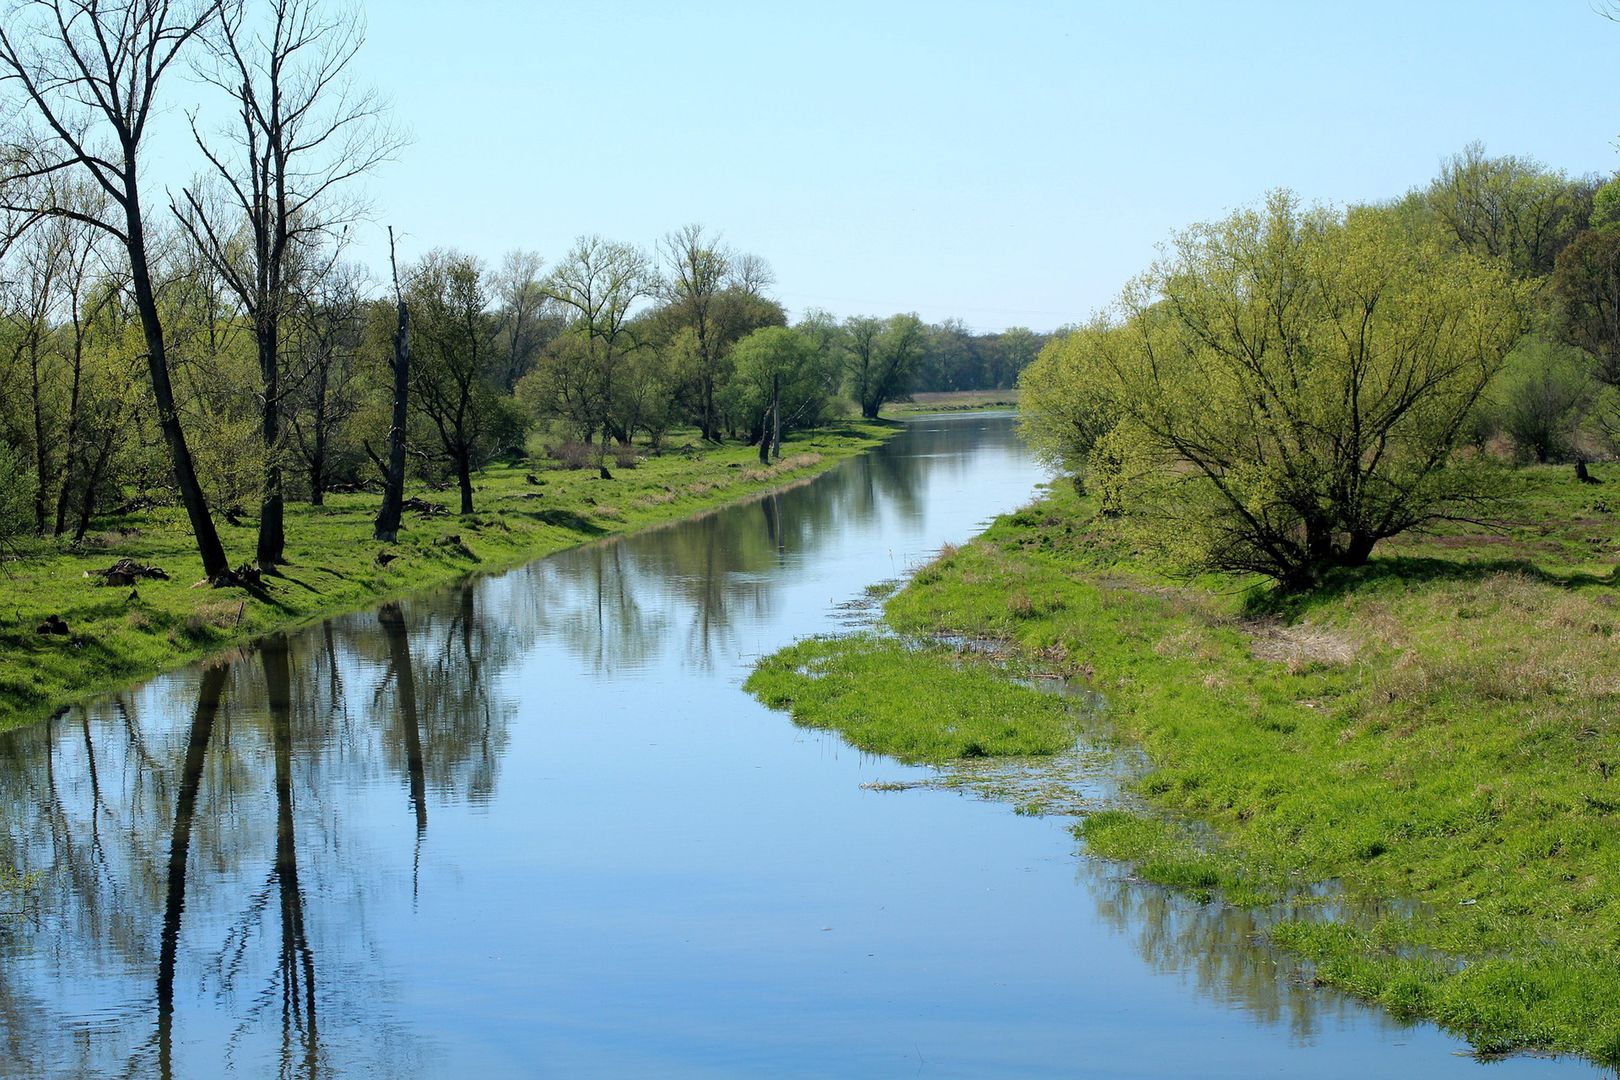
point(464, 477)
point(87, 504)
point(215, 564)
point(387, 528)
point(185, 808)
point(272, 534)
point(42, 452)
point(776, 416)
point(1359, 550)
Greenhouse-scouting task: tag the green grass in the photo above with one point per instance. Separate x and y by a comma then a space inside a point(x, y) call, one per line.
point(920, 705)
point(332, 561)
point(949, 401)
point(1435, 736)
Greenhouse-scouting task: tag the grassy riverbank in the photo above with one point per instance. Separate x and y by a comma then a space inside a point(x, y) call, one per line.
point(116, 634)
point(1436, 737)
point(925, 403)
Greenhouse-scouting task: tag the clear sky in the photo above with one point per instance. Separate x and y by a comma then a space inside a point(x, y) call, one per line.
point(1007, 163)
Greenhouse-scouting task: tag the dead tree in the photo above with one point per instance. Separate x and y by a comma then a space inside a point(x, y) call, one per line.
point(387, 527)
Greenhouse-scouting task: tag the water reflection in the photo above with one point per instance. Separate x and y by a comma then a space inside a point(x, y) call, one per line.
point(200, 835)
point(617, 606)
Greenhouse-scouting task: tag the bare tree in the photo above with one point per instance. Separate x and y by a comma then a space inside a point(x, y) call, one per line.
point(327, 342)
point(301, 132)
point(87, 72)
point(751, 274)
point(696, 271)
point(523, 313)
point(388, 515)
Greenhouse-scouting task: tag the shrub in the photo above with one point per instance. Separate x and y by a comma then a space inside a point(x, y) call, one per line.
point(574, 454)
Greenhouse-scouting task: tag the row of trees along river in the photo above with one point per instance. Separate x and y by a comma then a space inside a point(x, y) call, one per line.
point(212, 342)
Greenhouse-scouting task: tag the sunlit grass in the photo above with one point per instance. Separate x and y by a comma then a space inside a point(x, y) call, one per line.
point(918, 705)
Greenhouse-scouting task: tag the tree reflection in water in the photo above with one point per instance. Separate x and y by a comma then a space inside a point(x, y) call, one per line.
point(154, 815)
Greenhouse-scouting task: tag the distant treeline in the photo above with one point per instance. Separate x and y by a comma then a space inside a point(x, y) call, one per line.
point(955, 358)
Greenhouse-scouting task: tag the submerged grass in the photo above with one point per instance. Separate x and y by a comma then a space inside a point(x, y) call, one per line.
point(119, 634)
point(1436, 735)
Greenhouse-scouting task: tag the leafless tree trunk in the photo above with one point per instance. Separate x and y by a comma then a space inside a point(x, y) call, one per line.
point(387, 527)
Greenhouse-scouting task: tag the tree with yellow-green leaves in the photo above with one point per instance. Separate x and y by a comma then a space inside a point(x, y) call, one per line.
point(1283, 390)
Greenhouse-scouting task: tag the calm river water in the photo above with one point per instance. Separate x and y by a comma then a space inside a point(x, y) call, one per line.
point(533, 826)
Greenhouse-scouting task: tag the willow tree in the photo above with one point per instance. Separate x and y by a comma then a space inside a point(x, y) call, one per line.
point(1291, 387)
point(880, 356)
point(783, 382)
point(1066, 399)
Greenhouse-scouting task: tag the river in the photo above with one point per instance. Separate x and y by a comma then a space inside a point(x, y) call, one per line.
point(533, 826)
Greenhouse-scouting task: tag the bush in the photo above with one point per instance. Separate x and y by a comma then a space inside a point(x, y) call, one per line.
point(574, 454)
point(1544, 394)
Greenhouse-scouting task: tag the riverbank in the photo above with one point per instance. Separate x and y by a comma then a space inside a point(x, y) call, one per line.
point(116, 634)
point(928, 403)
point(1431, 741)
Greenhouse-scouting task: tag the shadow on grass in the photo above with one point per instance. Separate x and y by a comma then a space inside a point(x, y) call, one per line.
point(1398, 571)
point(280, 574)
point(563, 519)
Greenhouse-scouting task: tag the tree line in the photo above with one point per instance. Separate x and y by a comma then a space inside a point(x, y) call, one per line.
point(1291, 385)
point(215, 345)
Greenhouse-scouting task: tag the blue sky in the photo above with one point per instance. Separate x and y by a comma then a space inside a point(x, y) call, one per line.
point(1008, 163)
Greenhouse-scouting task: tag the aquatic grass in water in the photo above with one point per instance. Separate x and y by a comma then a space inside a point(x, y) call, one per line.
point(922, 705)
